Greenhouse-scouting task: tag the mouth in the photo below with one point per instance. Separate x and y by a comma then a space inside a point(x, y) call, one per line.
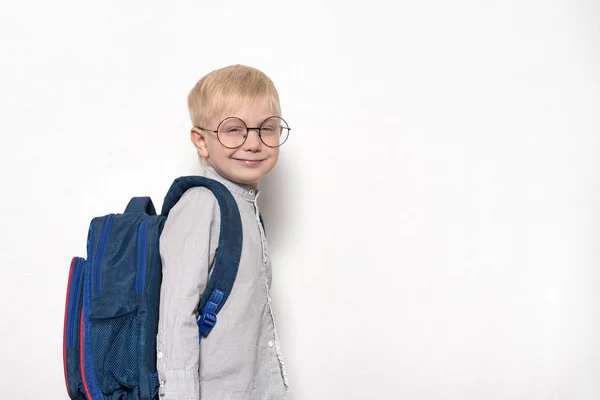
point(249, 163)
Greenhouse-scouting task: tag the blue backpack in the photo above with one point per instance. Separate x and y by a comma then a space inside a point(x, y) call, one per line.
point(111, 312)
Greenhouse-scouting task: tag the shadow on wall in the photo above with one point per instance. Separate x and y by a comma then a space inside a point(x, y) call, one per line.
point(274, 204)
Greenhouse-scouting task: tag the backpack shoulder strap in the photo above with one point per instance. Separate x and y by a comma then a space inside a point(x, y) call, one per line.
point(229, 250)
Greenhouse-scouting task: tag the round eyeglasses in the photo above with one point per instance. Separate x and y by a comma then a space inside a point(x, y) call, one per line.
point(232, 132)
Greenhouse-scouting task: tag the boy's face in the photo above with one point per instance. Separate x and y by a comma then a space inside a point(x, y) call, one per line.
point(250, 162)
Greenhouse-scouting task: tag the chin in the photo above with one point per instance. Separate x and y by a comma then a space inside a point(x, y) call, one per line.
point(252, 175)
point(249, 177)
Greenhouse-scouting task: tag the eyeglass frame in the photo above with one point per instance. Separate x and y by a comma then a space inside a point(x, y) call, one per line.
point(248, 129)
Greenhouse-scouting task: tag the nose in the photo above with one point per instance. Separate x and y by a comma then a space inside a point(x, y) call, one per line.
point(253, 142)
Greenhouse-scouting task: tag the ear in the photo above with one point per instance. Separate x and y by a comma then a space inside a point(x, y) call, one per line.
point(199, 142)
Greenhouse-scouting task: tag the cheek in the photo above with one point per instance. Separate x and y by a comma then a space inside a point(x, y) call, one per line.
point(216, 150)
point(273, 158)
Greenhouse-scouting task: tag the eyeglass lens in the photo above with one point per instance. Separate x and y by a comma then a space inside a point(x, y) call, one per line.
point(232, 132)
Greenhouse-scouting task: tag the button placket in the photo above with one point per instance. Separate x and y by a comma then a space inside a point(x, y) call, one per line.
point(278, 359)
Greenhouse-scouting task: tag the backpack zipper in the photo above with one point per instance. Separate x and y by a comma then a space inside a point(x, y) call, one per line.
point(73, 299)
point(100, 253)
point(142, 257)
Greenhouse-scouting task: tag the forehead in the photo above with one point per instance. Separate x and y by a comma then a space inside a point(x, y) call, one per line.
point(251, 111)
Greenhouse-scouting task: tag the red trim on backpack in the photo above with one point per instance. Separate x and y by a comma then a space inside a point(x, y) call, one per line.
point(65, 327)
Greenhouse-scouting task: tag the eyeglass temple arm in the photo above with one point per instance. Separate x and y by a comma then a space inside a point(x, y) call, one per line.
point(206, 130)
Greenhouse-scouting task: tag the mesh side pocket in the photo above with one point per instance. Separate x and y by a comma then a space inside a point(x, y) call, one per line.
point(153, 300)
point(114, 345)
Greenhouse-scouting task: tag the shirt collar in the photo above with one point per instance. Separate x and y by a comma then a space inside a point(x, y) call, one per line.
point(246, 191)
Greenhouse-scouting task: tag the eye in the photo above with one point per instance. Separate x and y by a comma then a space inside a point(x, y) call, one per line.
point(235, 129)
point(268, 129)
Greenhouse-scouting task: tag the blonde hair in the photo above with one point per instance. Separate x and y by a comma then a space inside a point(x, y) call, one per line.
point(236, 85)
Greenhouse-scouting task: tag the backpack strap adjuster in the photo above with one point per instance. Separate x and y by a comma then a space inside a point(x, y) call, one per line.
point(209, 316)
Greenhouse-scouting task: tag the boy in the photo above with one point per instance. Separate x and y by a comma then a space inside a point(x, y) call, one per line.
point(237, 131)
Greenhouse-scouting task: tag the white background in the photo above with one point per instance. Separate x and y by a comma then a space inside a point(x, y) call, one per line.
point(434, 220)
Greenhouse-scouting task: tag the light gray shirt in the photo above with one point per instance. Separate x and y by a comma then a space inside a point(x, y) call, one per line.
point(240, 359)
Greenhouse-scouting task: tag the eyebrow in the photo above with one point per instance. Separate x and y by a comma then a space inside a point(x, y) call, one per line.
point(247, 124)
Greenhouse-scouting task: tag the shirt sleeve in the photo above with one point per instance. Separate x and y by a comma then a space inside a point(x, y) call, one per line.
point(187, 249)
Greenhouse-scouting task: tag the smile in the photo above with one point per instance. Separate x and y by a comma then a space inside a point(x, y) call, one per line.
point(249, 163)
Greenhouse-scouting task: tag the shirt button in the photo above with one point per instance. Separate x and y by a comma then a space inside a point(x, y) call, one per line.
point(270, 343)
point(159, 355)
